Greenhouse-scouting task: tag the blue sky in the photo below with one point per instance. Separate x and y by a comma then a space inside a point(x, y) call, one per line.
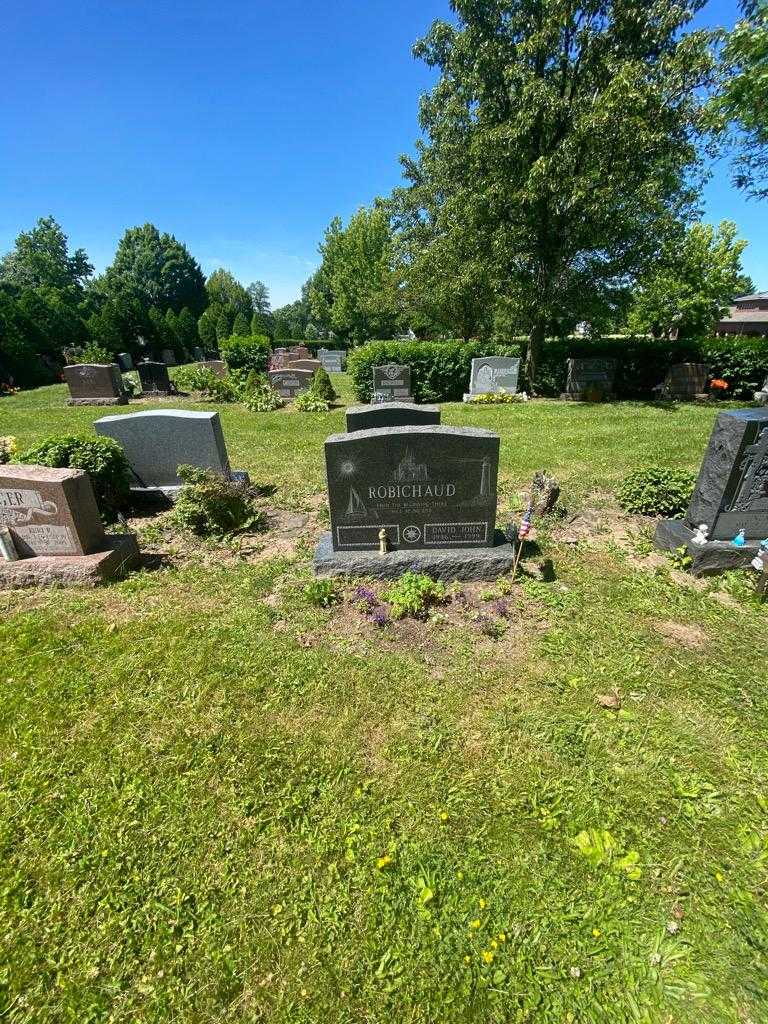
point(242, 128)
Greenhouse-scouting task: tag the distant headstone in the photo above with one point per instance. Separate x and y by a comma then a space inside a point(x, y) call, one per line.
point(157, 443)
point(391, 414)
point(197, 354)
point(762, 396)
point(154, 378)
point(95, 384)
point(299, 352)
point(333, 360)
point(218, 366)
point(168, 357)
point(589, 380)
point(685, 381)
point(289, 382)
point(125, 361)
point(304, 364)
point(279, 359)
point(432, 490)
point(731, 495)
point(492, 374)
point(392, 383)
point(55, 527)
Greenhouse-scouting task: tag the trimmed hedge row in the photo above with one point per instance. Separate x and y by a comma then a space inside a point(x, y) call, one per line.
point(439, 369)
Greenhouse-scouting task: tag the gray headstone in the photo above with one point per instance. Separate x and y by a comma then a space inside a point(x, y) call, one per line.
point(158, 442)
point(429, 487)
point(168, 357)
point(686, 380)
point(491, 374)
point(125, 361)
point(289, 382)
point(49, 511)
point(590, 379)
point(218, 366)
point(154, 378)
point(732, 489)
point(392, 383)
point(304, 364)
point(197, 354)
point(391, 414)
point(333, 360)
point(95, 384)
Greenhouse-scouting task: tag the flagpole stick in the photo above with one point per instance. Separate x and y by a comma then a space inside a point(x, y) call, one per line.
point(518, 553)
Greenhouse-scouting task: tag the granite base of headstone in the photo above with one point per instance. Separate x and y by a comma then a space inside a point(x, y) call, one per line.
point(289, 382)
point(56, 531)
point(95, 384)
point(730, 497)
point(156, 443)
point(155, 382)
point(491, 375)
point(589, 380)
point(391, 383)
point(428, 493)
point(391, 414)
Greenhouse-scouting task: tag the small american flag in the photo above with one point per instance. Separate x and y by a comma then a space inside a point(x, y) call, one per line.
point(525, 526)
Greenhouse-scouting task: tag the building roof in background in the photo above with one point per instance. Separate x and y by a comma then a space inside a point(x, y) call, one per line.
point(751, 298)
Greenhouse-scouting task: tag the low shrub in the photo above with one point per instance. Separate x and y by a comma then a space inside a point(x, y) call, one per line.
point(656, 491)
point(94, 353)
point(308, 401)
point(413, 594)
point(440, 370)
point(206, 384)
point(7, 449)
point(497, 398)
point(260, 396)
point(102, 458)
point(321, 385)
point(742, 362)
point(246, 352)
point(212, 506)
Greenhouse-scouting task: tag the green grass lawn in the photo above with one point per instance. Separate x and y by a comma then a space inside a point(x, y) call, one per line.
point(222, 803)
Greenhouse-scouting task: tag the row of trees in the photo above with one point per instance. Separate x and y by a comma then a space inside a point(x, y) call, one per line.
point(557, 179)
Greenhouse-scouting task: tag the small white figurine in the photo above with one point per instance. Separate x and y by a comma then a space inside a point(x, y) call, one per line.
point(701, 535)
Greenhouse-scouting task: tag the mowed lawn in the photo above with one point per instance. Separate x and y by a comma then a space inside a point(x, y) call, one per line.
point(221, 803)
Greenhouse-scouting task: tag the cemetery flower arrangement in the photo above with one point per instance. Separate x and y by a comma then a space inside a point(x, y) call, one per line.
point(718, 385)
point(656, 491)
point(102, 458)
point(7, 449)
point(212, 506)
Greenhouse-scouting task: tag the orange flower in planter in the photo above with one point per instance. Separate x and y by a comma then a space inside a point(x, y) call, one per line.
point(718, 385)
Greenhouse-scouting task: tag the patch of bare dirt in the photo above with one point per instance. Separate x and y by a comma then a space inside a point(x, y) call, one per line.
point(691, 637)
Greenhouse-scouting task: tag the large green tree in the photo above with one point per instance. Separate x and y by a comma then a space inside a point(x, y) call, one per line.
point(225, 290)
point(744, 99)
point(691, 285)
point(40, 258)
point(354, 293)
point(559, 145)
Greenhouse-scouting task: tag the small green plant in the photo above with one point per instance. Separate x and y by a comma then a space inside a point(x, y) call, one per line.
point(212, 506)
point(322, 593)
point(206, 384)
point(656, 491)
point(413, 594)
point(94, 353)
point(601, 851)
point(102, 458)
point(260, 396)
point(308, 401)
point(7, 448)
point(497, 398)
point(680, 557)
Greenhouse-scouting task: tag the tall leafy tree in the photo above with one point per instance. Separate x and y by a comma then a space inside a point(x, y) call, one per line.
point(157, 270)
point(225, 290)
point(560, 141)
point(259, 294)
point(744, 99)
point(354, 293)
point(692, 283)
point(206, 328)
point(240, 326)
point(187, 329)
point(41, 259)
point(224, 325)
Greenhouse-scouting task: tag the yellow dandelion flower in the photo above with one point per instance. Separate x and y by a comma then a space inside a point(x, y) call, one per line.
point(719, 876)
point(596, 932)
point(467, 959)
point(494, 944)
point(488, 956)
point(475, 924)
point(502, 937)
point(460, 875)
point(277, 909)
point(482, 903)
point(383, 861)
point(444, 816)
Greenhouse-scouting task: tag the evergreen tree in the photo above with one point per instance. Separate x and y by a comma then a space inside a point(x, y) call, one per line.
point(223, 326)
point(206, 328)
point(240, 326)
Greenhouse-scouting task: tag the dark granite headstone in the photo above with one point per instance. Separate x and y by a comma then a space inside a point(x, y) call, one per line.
point(391, 414)
point(333, 360)
point(589, 380)
point(731, 494)
point(154, 379)
point(392, 383)
point(54, 527)
point(95, 384)
point(125, 361)
point(168, 357)
point(491, 374)
point(685, 381)
point(289, 382)
point(197, 354)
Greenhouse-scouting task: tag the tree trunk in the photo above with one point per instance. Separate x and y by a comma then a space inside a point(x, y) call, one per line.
point(535, 345)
